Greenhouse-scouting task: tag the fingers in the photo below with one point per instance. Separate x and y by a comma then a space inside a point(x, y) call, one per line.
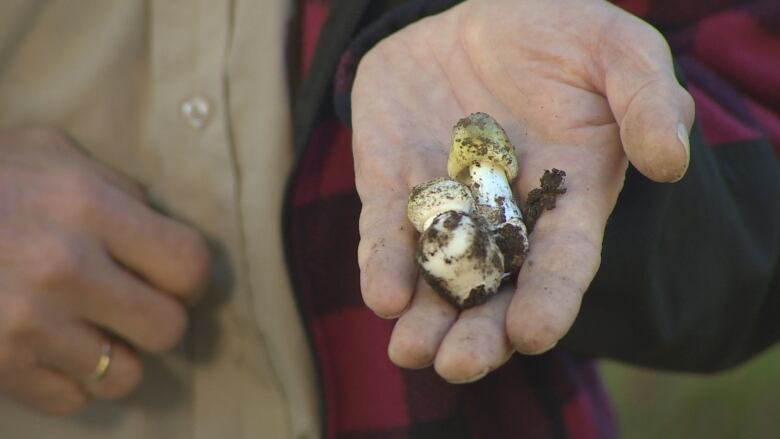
point(386, 256)
point(550, 289)
point(477, 342)
point(171, 256)
point(74, 348)
point(117, 300)
point(565, 249)
point(421, 329)
point(47, 390)
point(654, 111)
point(560, 266)
point(463, 348)
point(166, 253)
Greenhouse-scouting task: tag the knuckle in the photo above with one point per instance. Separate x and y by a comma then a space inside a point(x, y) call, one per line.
point(79, 194)
point(56, 260)
point(22, 324)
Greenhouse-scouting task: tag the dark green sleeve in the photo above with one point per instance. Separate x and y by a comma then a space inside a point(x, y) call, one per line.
point(690, 272)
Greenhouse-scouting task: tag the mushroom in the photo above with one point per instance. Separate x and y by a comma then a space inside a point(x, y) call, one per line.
point(456, 253)
point(437, 196)
point(483, 158)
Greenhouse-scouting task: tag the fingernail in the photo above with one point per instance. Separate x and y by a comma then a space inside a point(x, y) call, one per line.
point(685, 140)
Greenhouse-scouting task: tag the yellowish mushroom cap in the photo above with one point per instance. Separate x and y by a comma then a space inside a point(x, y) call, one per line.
point(479, 138)
point(436, 196)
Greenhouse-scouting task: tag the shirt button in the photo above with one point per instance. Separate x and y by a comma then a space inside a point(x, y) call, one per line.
point(197, 111)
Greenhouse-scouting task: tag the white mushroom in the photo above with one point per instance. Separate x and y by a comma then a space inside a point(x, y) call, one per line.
point(483, 158)
point(456, 253)
point(437, 196)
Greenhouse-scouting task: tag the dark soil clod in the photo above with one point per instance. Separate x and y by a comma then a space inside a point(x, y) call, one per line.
point(543, 198)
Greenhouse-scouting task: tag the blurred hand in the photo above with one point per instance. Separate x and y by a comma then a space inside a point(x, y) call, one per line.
point(83, 260)
point(579, 85)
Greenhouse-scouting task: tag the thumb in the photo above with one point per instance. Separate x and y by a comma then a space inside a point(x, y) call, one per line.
point(653, 110)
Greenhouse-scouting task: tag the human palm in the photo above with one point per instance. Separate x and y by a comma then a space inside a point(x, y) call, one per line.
point(578, 85)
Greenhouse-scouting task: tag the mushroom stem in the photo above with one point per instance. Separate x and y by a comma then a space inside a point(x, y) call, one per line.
point(493, 196)
point(496, 204)
point(482, 156)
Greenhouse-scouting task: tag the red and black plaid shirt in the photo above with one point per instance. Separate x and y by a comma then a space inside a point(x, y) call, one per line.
point(729, 53)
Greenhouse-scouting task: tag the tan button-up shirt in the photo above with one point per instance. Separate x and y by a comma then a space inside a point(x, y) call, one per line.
point(189, 97)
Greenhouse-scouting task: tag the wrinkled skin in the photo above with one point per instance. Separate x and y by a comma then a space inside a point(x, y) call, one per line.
point(578, 85)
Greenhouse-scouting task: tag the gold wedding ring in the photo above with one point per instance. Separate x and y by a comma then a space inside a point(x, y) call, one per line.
point(104, 362)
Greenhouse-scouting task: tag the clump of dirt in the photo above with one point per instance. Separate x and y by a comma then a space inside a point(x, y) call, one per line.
point(511, 241)
point(543, 198)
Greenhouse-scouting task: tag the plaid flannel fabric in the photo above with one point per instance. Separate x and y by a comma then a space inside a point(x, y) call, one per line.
point(730, 53)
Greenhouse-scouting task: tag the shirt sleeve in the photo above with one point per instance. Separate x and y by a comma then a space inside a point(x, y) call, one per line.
point(690, 273)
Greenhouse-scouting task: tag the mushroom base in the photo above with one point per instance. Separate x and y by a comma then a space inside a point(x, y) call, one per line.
point(477, 296)
point(458, 257)
point(511, 239)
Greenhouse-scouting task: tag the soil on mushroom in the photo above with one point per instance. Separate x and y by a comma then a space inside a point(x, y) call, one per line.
point(511, 241)
point(476, 296)
point(477, 251)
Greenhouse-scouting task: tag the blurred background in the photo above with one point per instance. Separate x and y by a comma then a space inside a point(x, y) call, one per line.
point(739, 403)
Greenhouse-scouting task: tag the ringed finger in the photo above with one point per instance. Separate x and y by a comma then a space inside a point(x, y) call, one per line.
point(120, 302)
point(77, 349)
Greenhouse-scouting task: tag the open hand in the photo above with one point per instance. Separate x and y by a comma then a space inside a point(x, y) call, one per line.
point(578, 85)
